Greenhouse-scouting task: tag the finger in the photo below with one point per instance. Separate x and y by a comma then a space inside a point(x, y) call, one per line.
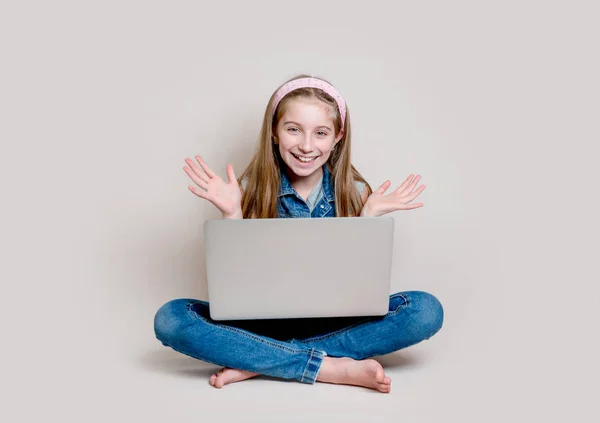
point(205, 167)
point(199, 181)
point(415, 194)
point(197, 171)
point(197, 191)
point(414, 183)
point(231, 173)
point(411, 206)
point(383, 187)
point(405, 183)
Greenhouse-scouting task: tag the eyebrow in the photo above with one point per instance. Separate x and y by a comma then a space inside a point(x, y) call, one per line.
point(296, 123)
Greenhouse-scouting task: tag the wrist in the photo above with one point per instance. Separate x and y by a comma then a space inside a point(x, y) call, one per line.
point(237, 214)
point(367, 212)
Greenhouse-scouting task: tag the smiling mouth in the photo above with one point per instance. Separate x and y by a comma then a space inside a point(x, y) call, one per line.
point(304, 159)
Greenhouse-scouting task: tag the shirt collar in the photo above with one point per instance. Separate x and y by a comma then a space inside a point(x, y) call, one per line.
point(286, 185)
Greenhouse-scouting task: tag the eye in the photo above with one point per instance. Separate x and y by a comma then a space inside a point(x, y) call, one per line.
point(292, 129)
point(322, 133)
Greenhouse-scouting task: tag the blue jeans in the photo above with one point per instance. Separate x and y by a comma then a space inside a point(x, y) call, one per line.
point(294, 348)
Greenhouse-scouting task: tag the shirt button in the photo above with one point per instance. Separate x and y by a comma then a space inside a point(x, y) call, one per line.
point(322, 206)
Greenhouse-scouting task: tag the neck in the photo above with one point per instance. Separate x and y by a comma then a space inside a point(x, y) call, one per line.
point(305, 183)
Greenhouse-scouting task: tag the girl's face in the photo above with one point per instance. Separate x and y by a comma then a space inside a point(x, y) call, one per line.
point(306, 135)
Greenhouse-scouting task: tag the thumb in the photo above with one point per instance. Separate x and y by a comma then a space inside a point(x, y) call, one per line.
point(230, 173)
point(383, 188)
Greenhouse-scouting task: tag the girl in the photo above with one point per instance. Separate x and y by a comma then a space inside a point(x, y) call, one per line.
point(301, 168)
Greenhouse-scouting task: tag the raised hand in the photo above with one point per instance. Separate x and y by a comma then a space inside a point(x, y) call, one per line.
point(378, 204)
point(225, 195)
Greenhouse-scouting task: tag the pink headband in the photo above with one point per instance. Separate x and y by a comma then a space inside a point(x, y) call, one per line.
point(311, 83)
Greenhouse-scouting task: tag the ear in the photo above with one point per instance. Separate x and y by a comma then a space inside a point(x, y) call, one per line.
point(339, 137)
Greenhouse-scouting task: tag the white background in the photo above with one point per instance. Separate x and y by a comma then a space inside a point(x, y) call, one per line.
point(495, 104)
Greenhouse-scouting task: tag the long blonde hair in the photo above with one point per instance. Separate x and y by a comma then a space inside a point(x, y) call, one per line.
point(263, 180)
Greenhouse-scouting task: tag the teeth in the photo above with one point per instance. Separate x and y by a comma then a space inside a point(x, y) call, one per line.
point(305, 159)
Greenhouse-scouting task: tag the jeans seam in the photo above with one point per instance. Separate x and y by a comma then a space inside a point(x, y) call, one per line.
point(407, 303)
point(313, 366)
point(312, 351)
point(243, 333)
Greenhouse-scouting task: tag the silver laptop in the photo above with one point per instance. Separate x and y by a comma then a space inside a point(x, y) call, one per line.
point(299, 267)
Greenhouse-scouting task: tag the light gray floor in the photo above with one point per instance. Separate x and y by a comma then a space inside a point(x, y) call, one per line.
point(491, 366)
point(458, 375)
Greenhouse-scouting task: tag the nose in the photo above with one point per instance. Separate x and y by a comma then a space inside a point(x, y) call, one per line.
point(307, 144)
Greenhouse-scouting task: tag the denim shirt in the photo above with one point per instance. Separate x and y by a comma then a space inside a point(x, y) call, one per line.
point(321, 201)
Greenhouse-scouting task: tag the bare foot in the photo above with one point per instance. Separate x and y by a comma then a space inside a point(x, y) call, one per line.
point(344, 370)
point(227, 375)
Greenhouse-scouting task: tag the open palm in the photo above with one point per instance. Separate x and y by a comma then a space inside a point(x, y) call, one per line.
point(378, 203)
point(225, 195)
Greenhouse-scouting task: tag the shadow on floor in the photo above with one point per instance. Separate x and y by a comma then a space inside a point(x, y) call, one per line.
point(399, 359)
point(171, 362)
